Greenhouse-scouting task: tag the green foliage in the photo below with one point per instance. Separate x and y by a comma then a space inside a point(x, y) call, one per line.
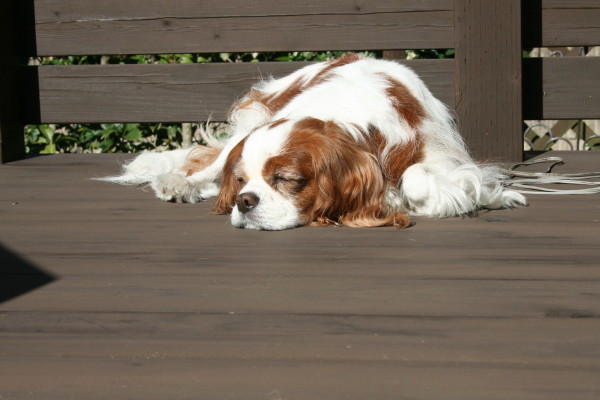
point(195, 58)
point(100, 138)
point(44, 139)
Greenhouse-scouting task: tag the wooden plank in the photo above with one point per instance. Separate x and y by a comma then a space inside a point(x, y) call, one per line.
point(165, 93)
point(158, 300)
point(570, 23)
point(299, 356)
point(553, 23)
point(562, 4)
point(12, 143)
point(562, 88)
point(140, 27)
point(119, 244)
point(149, 375)
point(488, 83)
point(52, 11)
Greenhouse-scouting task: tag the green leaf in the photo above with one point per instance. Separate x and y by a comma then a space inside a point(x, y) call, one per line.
point(107, 144)
point(49, 149)
point(48, 133)
point(133, 134)
point(109, 131)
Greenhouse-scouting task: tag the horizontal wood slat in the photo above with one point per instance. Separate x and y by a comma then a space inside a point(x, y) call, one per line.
point(166, 93)
point(51, 11)
point(140, 27)
point(561, 88)
point(561, 23)
point(554, 4)
point(571, 27)
point(469, 358)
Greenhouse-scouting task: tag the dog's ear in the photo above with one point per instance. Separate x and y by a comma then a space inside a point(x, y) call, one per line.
point(229, 187)
point(352, 189)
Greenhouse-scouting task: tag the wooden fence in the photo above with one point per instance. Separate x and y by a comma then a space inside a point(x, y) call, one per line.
point(491, 91)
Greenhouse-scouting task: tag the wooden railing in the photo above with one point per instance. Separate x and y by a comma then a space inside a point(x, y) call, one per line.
point(489, 84)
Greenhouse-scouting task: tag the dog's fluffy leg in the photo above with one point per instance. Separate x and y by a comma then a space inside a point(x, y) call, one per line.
point(192, 175)
point(163, 173)
point(434, 191)
point(175, 187)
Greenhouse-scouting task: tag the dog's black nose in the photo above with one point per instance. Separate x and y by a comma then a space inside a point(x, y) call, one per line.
point(246, 202)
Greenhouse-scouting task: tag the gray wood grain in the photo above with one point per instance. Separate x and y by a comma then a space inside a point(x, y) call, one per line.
point(140, 27)
point(488, 77)
point(570, 23)
point(167, 93)
point(562, 88)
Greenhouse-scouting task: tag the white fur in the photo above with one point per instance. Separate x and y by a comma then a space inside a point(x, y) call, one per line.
point(447, 182)
point(356, 96)
point(274, 211)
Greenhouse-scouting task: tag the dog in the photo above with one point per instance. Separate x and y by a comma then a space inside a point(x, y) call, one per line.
point(353, 141)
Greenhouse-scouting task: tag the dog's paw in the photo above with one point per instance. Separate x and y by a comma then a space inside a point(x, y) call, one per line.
point(170, 187)
point(174, 187)
point(177, 188)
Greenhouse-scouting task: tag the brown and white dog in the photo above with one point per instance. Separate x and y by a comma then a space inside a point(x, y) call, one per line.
point(352, 141)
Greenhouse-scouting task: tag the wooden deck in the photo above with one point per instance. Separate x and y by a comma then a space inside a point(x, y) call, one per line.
point(108, 293)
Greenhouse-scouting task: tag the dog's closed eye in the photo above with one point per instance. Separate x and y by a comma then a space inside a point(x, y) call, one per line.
point(281, 178)
point(288, 182)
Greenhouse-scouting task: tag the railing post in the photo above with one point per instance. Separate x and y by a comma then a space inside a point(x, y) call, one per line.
point(12, 146)
point(488, 77)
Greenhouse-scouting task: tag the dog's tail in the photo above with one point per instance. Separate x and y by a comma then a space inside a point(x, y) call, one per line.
point(146, 167)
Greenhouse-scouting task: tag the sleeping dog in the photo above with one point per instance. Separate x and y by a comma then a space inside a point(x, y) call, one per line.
point(352, 141)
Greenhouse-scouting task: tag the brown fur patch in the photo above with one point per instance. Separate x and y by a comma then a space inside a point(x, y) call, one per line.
point(230, 186)
point(397, 158)
point(342, 182)
point(346, 59)
point(326, 72)
point(405, 104)
point(199, 158)
point(275, 102)
point(277, 123)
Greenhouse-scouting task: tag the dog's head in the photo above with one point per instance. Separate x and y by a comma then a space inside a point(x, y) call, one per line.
point(292, 173)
